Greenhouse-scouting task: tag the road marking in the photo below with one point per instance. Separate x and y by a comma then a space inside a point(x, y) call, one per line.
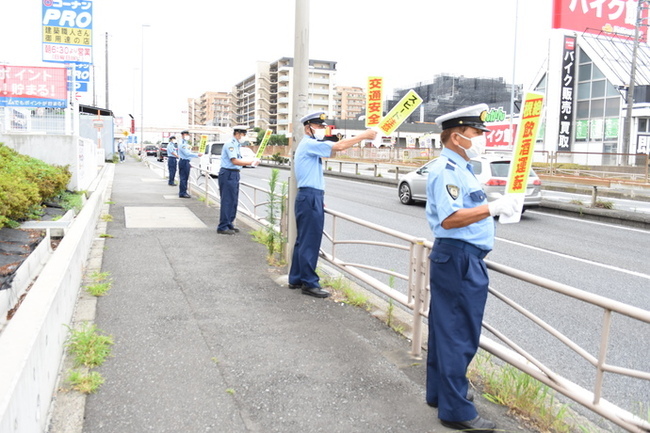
point(589, 222)
point(589, 262)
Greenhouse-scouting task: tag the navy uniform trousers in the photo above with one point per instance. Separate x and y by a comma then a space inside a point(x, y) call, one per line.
point(171, 165)
point(459, 288)
point(183, 175)
point(310, 219)
point(229, 193)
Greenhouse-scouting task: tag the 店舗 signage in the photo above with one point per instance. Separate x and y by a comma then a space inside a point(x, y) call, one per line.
point(566, 93)
point(33, 86)
point(67, 31)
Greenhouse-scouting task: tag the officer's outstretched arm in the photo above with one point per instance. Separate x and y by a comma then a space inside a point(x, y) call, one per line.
point(466, 216)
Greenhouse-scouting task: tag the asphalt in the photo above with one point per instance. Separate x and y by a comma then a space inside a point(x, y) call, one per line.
point(208, 338)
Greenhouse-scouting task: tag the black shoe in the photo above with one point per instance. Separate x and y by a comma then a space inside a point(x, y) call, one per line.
point(172, 184)
point(476, 425)
point(226, 232)
point(235, 229)
point(470, 397)
point(316, 292)
point(185, 196)
point(295, 286)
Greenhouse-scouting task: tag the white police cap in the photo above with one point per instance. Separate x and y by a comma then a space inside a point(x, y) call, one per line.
point(473, 116)
point(242, 128)
point(316, 117)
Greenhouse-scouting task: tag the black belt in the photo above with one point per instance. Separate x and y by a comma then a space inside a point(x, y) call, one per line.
point(465, 246)
point(229, 169)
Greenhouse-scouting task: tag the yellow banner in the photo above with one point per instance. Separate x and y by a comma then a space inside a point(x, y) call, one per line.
point(522, 158)
point(404, 108)
point(202, 143)
point(265, 141)
point(374, 101)
point(67, 35)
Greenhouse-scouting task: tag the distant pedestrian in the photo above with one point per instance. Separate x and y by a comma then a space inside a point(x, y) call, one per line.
point(185, 154)
point(121, 149)
point(172, 159)
point(231, 164)
point(461, 220)
point(309, 207)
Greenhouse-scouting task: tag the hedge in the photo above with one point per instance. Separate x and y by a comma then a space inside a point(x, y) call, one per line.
point(25, 183)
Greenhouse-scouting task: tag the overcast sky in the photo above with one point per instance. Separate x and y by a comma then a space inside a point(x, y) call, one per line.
point(195, 46)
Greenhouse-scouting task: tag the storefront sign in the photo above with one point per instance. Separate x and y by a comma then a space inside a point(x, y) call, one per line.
point(500, 134)
point(566, 95)
point(374, 101)
point(33, 86)
point(613, 17)
point(67, 31)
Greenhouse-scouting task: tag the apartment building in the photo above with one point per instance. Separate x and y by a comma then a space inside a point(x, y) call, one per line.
point(349, 103)
point(211, 108)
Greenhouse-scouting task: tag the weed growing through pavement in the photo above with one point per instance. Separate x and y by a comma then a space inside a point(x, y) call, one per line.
point(107, 218)
point(230, 391)
point(342, 286)
point(106, 235)
point(524, 395)
point(88, 346)
point(577, 202)
point(604, 204)
point(101, 283)
point(85, 383)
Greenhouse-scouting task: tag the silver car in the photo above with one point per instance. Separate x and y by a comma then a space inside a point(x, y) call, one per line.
point(490, 169)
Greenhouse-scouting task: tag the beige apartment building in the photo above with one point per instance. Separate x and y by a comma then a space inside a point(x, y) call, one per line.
point(211, 109)
point(349, 103)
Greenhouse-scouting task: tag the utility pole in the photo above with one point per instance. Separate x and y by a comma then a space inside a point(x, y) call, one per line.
point(106, 70)
point(299, 109)
point(627, 134)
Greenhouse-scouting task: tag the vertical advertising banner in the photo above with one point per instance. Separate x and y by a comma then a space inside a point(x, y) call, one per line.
point(67, 31)
point(566, 95)
point(33, 86)
point(522, 157)
point(374, 101)
point(610, 17)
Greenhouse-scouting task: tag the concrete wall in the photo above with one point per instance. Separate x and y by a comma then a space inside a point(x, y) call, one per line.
point(79, 153)
point(32, 342)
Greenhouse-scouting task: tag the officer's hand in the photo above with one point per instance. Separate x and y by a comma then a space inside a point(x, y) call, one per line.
point(255, 162)
point(369, 134)
point(506, 205)
point(200, 154)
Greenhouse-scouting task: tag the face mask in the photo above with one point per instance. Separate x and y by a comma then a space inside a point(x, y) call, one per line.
point(242, 140)
point(319, 134)
point(477, 147)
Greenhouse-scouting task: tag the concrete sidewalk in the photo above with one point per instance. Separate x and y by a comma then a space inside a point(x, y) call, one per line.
point(207, 340)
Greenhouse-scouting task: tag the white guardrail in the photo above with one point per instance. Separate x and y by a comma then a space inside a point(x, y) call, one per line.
point(416, 300)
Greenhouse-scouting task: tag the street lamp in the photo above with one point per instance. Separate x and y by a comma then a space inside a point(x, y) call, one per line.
point(142, 84)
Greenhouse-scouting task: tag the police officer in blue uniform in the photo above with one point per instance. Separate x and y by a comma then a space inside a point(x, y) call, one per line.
point(172, 159)
point(231, 164)
point(461, 220)
point(185, 154)
point(309, 208)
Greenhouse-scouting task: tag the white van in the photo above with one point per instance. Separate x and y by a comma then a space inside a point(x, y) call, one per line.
point(211, 159)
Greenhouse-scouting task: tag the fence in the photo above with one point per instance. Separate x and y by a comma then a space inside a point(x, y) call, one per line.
point(416, 300)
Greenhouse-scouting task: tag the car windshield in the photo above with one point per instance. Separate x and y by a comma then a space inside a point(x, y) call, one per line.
point(501, 169)
point(216, 148)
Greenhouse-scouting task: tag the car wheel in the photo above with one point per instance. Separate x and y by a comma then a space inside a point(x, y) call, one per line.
point(405, 196)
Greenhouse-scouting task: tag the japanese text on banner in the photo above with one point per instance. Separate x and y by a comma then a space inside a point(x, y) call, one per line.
point(374, 101)
point(400, 112)
point(525, 145)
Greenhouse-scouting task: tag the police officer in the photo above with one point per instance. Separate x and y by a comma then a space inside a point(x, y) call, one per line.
point(461, 220)
point(184, 154)
point(309, 209)
point(172, 159)
point(231, 164)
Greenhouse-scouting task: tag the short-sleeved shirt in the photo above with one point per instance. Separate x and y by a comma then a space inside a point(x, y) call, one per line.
point(171, 150)
point(185, 151)
point(452, 186)
point(230, 150)
point(308, 163)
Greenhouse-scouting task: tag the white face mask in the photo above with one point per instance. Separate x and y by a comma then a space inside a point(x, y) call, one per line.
point(242, 139)
point(478, 145)
point(319, 134)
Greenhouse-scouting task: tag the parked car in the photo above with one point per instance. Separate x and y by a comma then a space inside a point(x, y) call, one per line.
point(162, 152)
point(247, 153)
point(150, 150)
point(490, 169)
point(211, 159)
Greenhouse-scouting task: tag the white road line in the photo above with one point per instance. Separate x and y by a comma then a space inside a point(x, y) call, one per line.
point(588, 222)
point(566, 256)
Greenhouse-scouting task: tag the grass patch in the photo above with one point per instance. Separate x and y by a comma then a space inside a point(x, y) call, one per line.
point(526, 397)
point(230, 391)
point(89, 347)
point(107, 217)
point(577, 202)
point(604, 204)
point(106, 235)
point(101, 283)
point(345, 292)
point(85, 383)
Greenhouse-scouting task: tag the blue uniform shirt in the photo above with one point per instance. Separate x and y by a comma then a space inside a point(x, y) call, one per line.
point(308, 163)
point(452, 186)
point(185, 151)
point(171, 150)
point(230, 150)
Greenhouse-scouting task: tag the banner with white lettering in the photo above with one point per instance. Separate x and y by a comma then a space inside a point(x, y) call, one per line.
point(567, 91)
point(67, 31)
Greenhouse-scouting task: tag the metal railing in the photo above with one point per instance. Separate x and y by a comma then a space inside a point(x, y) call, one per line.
point(417, 295)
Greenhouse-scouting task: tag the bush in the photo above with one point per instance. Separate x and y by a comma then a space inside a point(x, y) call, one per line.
point(25, 183)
